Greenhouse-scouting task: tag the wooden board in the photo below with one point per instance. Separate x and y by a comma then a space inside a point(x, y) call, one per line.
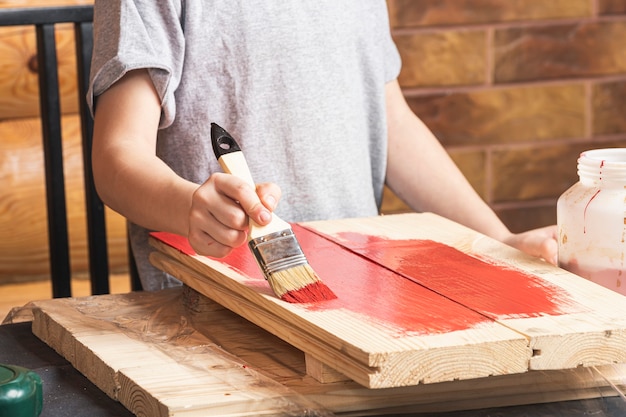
point(569, 321)
point(142, 350)
point(481, 310)
point(174, 353)
point(19, 89)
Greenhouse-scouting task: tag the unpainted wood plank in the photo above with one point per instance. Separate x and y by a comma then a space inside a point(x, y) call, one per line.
point(321, 372)
point(264, 351)
point(200, 391)
point(148, 357)
point(96, 348)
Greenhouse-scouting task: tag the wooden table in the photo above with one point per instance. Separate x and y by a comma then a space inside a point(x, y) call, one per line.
point(430, 317)
point(67, 392)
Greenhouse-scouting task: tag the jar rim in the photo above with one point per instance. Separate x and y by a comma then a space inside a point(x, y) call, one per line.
point(613, 155)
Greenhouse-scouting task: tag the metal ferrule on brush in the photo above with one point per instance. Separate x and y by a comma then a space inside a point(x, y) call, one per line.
point(277, 251)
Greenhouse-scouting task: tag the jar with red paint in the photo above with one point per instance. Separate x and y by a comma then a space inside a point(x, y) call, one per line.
point(591, 219)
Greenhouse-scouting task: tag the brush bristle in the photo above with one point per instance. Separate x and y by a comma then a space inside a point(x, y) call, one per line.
point(300, 284)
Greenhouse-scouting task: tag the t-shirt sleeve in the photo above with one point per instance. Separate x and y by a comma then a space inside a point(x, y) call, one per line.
point(135, 34)
point(391, 55)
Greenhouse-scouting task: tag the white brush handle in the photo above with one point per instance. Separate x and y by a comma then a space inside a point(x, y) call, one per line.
point(235, 163)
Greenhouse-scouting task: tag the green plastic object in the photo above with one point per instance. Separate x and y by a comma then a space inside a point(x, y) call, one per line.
point(21, 393)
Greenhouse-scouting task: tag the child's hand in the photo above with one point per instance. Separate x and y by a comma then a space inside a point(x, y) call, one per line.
point(221, 209)
point(540, 242)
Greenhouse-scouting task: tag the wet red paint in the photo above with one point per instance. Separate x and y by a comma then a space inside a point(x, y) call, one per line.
point(369, 290)
point(241, 259)
point(411, 286)
point(591, 199)
point(310, 293)
point(496, 290)
point(176, 241)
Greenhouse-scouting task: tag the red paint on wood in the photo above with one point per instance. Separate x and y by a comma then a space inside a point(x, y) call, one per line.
point(176, 241)
point(365, 288)
point(310, 293)
point(497, 290)
point(313, 290)
point(410, 286)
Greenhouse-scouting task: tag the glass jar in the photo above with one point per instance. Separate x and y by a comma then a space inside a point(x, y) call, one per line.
point(591, 219)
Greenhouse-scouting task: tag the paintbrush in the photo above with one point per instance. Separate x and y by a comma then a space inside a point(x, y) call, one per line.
point(274, 246)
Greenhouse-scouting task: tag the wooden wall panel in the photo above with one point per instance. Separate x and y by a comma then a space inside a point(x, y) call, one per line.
point(23, 227)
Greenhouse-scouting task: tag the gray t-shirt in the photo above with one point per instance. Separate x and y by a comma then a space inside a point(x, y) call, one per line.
point(299, 84)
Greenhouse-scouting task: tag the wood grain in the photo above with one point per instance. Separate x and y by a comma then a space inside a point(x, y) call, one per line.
point(144, 356)
point(19, 90)
point(373, 355)
point(23, 230)
point(213, 362)
point(23, 216)
point(321, 372)
point(590, 331)
point(584, 325)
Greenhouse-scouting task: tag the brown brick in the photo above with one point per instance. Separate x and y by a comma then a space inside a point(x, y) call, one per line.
point(607, 7)
point(472, 164)
point(559, 51)
point(502, 116)
point(412, 13)
point(536, 173)
point(442, 58)
point(520, 219)
point(609, 102)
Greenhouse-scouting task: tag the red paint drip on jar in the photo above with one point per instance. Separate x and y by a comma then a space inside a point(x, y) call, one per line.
point(585, 211)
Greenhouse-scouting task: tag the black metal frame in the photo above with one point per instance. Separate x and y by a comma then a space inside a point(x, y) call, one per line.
point(44, 20)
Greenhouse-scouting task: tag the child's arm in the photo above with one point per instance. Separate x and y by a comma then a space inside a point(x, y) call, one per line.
point(133, 181)
point(421, 173)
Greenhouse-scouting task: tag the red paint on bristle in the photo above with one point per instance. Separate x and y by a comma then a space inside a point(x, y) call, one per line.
point(310, 293)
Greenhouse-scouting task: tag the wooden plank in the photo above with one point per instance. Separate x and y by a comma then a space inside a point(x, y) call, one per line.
point(399, 278)
point(372, 351)
point(139, 352)
point(214, 362)
point(195, 389)
point(568, 320)
point(321, 372)
point(94, 347)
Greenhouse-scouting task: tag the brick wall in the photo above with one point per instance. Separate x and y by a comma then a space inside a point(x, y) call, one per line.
point(515, 90)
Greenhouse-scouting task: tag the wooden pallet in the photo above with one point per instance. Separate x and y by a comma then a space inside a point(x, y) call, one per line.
point(420, 300)
point(176, 353)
